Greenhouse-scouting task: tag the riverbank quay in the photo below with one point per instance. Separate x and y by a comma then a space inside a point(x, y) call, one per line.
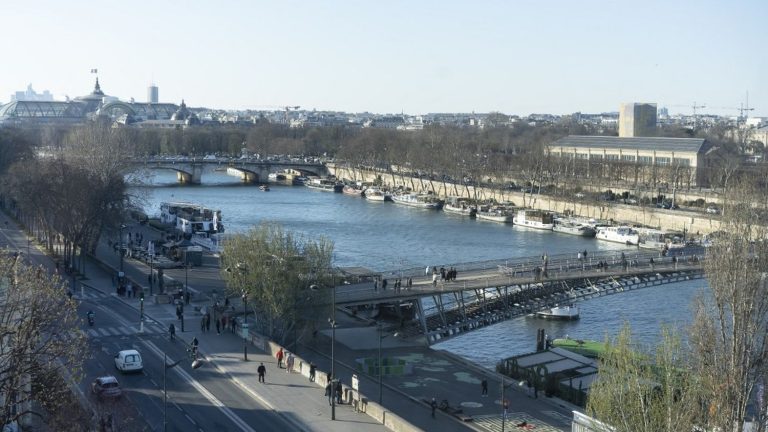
point(438, 374)
point(678, 220)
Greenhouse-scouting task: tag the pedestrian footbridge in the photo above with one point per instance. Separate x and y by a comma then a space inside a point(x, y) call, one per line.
point(488, 292)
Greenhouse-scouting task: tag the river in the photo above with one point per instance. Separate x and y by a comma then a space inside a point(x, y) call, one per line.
point(385, 236)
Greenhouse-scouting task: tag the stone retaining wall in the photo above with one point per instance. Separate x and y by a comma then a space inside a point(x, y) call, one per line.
point(675, 220)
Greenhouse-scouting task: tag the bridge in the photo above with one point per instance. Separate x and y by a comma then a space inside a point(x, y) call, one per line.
point(488, 292)
point(190, 170)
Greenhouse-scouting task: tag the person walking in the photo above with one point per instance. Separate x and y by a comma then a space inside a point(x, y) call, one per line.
point(484, 385)
point(433, 405)
point(208, 322)
point(172, 331)
point(289, 363)
point(339, 391)
point(218, 326)
point(329, 391)
point(426, 272)
point(279, 357)
point(505, 404)
point(262, 372)
point(312, 371)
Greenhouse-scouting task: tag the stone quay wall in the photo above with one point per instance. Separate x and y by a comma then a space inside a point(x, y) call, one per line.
point(673, 220)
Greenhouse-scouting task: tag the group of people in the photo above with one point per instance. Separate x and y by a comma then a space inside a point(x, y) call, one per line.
point(397, 286)
point(443, 274)
point(222, 323)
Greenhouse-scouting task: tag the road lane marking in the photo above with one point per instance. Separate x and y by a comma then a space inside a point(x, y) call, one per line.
point(203, 391)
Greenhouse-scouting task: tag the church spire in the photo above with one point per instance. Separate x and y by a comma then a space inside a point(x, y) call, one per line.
point(97, 88)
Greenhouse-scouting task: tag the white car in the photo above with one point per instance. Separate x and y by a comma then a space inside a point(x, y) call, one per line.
point(129, 361)
point(713, 210)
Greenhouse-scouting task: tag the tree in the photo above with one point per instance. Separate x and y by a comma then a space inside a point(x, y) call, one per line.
point(730, 327)
point(283, 274)
point(37, 342)
point(645, 390)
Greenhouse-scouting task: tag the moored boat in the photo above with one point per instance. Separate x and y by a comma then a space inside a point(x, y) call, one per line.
point(660, 239)
point(460, 206)
point(496, 213)
point(190, 218)
point(566, 312)
point(352, 190)
point(537, 219)
point(264, 188)
point(324, 184)
point(419, 200)
point(572, 227)
point(621, 234)
point(376, 194)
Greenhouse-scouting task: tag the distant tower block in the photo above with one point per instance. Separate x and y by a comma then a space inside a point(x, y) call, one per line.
point(637, 120)
point(152, 94)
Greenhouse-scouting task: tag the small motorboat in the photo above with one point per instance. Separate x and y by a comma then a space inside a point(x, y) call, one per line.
point(566, 312)
point(264, 188)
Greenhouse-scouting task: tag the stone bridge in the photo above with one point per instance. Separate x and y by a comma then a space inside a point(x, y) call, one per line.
point(191, 170)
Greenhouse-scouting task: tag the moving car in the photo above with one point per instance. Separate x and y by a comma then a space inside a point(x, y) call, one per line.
point(129, 361)
point(106, 387)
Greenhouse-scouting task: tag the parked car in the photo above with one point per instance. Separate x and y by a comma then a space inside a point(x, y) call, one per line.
point(129, 361)
point(713, 210)
point(106, 387)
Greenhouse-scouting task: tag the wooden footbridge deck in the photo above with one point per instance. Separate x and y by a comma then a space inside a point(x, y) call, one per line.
point(488, 292)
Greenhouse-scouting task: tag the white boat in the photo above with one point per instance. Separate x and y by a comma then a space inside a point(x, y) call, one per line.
point(496, 213)
point(419, 200)
point(322, 184)
point(537, 219)
point(572, 227)
point(621, 234)
point(264, 188)
point(353, 190)
point(567, 312)
point(460, 206)
point(376, 194)
point(660, 239)
point(190, 218)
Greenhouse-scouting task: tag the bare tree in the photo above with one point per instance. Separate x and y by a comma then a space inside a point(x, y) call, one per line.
point(39, 341)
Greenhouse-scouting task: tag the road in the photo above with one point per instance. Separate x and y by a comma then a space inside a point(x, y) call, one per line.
point(201, 399)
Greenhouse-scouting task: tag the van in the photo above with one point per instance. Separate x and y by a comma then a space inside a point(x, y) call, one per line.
point(129, 361)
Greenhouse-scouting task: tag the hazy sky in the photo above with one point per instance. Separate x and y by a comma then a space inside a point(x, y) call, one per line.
point(517, 57)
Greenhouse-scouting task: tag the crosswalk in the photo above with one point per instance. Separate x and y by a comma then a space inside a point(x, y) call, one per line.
point(150, 329)
point(516, 421)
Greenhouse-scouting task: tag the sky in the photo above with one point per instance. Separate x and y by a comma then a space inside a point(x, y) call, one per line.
point(410, 56)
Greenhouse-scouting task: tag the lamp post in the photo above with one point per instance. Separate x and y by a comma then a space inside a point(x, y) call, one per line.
point(165, 390)
point(245, 326)
point(122, 227)
point(186, 279)
point(333, 345)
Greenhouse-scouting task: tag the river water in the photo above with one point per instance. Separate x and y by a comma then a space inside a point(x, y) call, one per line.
point(384, 236)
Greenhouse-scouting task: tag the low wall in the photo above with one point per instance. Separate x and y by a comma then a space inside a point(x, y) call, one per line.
point(677, 220)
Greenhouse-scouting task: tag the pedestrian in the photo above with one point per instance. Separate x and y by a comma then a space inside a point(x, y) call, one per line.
point(218, 326)
point(506, 407)
point(434, 280)
point(262, 372)
point(289, 363)
point(651, 261)
point(384, 284)
point(129, 290)
point(584, 254)
point(426, 272)
point(433, 405)
point(187, 297)
point(329, 391)
point(375, 284)
point(484, 385)
point(312, 370)
point(339, 391)
point(172, 331)
point(410, 283)
point(279, 357)
point(208, 322)
point(580, 257)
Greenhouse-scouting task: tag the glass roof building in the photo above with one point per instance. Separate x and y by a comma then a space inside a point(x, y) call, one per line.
point(83, 108)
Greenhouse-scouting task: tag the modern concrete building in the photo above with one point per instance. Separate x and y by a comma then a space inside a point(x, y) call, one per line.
point(153, 94)
point(637, 120)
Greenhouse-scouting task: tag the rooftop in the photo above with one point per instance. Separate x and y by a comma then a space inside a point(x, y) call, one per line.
point(694, 145)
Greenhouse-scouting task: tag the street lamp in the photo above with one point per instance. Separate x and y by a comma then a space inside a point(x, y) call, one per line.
point(332, 322)
point(165, 389)
point(245, 326)
point(195, 364)
point(379, 363)
point(122, 227)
